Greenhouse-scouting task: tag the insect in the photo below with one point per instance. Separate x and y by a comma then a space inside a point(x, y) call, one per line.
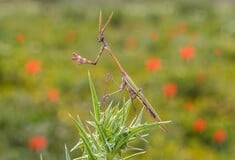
point(134, 91)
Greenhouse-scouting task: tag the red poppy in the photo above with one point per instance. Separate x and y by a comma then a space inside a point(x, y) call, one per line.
point(188, 105)
point(219, 136)
point(153, 64)
point(37, 142)
point(33, 66)
point(53, 95)
point(153, 36)
point(130, 43)
point(170, 89)
point(20, 38)
point(187, 52)
point(199, 125)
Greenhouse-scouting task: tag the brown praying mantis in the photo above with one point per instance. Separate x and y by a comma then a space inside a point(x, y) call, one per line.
point(134, 91)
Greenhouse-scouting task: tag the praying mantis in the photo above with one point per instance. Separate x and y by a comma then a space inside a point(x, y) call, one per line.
point(127, 82)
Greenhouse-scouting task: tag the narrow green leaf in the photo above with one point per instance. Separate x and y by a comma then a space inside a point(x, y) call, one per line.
point(83, 157)
point(94, 98)
point(84, 136)
point(139, 129)
point(93, 139)
point(76, 146)
point(131, 148)
point(91, 123)
point(164, 122)
point(126, 111)
point(134, 155)
point(108, 116)
point(142, 137)
point(133, 132)
point(108, 109)
point(66, 153)
point(133, 121)
point(103, 136)
point(139, 118)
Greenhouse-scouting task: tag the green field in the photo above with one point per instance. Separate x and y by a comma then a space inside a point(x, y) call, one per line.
point(181, 53)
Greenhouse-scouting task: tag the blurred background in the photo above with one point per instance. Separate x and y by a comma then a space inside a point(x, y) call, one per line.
point(181, 53)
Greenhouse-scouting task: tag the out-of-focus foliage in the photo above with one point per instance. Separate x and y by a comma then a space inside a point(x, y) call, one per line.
point(181, 53)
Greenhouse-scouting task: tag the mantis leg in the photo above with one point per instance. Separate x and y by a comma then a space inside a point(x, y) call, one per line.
point(134, 94)
point(81, 60)
point(122, 86)
point(99, 55)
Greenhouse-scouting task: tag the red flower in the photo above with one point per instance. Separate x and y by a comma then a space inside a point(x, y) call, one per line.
point(219, 136)
point(188, 105)
point(37, 142)
point(170, 89)
point(153, 36)
point(199, 125)
point(33, 66)
point(20, 38)
point(187, 52)
point(53, 95)
point(153, 64)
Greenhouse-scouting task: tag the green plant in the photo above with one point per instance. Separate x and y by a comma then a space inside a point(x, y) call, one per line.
point(110, 133)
